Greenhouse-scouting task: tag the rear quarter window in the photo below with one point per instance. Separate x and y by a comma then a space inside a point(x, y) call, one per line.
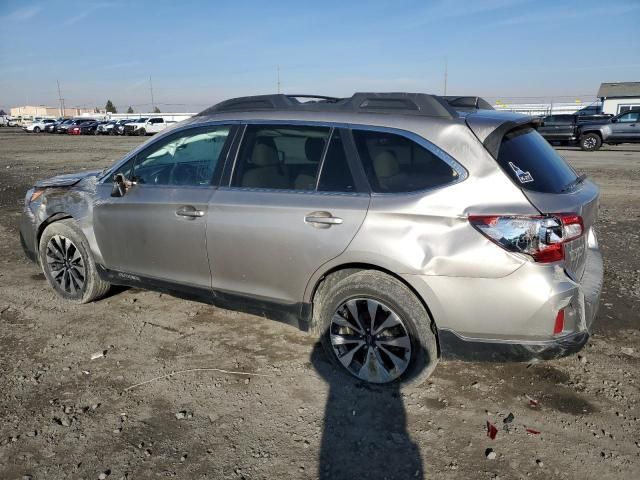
point(396, 164)
point(532, 163)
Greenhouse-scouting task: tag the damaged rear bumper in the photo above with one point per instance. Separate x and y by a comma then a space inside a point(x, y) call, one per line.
point(511, 318)
point(456, 347)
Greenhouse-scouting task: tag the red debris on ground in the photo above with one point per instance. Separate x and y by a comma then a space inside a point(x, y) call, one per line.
point(492, 431)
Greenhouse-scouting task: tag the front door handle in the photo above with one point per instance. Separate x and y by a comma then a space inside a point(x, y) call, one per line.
point(322, 219)
point(190, 212)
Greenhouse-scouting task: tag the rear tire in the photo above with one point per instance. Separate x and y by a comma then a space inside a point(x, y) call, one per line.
point(590, 142)
point(403, 352)
point(68, 264)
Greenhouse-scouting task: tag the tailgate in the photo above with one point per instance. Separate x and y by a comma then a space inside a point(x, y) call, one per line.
point(545, 178)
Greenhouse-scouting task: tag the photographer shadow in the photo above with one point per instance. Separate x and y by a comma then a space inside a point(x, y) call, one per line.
point(365, 429)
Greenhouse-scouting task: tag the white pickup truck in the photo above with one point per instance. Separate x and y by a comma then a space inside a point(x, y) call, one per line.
point(146, 126)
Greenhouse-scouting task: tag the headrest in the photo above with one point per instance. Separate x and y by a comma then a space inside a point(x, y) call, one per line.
point(313, 149)
point(264, 155)
point(386, 164)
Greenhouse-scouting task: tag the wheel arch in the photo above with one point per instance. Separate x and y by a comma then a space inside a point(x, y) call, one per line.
point(55, 217)
point(594, 131)
point(338, 272)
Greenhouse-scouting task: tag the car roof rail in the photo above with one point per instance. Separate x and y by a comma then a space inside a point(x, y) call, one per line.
point(361, 102)
point(468, 103)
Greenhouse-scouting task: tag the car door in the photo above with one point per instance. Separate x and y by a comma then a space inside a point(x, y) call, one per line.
point(626, 128)
point(565, 127)
point(547, 127)
point(291, 205)
point(157, 229)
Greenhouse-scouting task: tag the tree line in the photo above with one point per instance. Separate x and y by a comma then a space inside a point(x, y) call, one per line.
point(111, 108)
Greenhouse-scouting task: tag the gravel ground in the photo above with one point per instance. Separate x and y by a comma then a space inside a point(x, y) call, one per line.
point(63, 415)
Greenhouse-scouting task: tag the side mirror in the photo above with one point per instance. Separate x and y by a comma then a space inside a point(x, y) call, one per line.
point(120, 186)
point(614, 120)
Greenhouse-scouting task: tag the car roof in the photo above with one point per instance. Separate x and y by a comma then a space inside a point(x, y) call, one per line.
point(395, 110)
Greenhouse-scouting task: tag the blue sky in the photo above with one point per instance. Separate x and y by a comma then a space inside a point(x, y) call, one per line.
point(200, 52)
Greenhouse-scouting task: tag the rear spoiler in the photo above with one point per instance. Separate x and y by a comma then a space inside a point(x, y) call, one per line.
point(491, 129)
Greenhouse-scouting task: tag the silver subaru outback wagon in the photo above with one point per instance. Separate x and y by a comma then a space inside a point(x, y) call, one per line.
point(400, 228)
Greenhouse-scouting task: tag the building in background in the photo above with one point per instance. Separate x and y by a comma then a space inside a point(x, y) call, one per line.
point(619, 97)
point(30, 111)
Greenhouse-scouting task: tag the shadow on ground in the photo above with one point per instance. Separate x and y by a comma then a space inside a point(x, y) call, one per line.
point(365, 430)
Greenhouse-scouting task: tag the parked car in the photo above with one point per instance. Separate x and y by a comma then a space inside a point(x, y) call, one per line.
point(623, 128)
point(134, 127)
point(559, 128)
point(52, 127)
point(87, 127)
point(38, 125)
point(119, 128)
point(105, 128)
point(65, 126)
point(399, 228)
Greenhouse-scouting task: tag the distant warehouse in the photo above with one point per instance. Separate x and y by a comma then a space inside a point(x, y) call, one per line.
point(32, 111)
point(619, 97)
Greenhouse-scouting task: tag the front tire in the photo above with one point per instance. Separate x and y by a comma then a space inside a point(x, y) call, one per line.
point(142, 132)
point(590, 142)
point(36, 130)
point(68, 264)
point(396, 346)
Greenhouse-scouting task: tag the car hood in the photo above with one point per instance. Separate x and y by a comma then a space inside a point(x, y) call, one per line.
point(66, 180)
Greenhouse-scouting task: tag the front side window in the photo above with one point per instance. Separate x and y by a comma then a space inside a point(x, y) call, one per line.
point(280, 157)
point(188, 159)
point(394, 163)
point(631, 117)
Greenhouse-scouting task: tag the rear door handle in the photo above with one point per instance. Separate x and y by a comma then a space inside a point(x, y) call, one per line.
point(190, 212)
point(322, 219)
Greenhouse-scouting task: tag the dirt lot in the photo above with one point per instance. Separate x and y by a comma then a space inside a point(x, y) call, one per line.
point(63, 415)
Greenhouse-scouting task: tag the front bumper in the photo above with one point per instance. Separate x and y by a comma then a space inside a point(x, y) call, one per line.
point(512, 318)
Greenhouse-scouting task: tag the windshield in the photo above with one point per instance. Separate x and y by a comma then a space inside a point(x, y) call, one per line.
point(533, 164)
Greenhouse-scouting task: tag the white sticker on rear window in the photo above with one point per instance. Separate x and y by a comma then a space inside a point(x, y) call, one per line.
point(524, 177)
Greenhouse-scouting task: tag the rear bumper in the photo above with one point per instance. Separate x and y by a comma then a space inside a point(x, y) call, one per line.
point(512, 318)
point(455, 347)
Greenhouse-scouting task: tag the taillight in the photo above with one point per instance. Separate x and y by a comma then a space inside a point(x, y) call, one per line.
point(541, 237)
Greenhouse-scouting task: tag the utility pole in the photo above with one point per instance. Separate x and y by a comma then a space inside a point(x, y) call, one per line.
point(153, 104)
point(446, 68)
point(278, 68)
point(61, 100)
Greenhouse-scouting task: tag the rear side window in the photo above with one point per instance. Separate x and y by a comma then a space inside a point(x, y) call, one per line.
point(394, 163)
point(532, 163)
point(280, 157)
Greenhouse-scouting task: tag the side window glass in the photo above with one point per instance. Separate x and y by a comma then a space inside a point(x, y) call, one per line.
point(336, 175)
point(394, 163)
point(630, 117)
point(189, 159)
point(125, 169)
point(280, 157)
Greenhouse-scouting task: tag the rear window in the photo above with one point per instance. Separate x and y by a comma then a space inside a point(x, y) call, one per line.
point(532, 163)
